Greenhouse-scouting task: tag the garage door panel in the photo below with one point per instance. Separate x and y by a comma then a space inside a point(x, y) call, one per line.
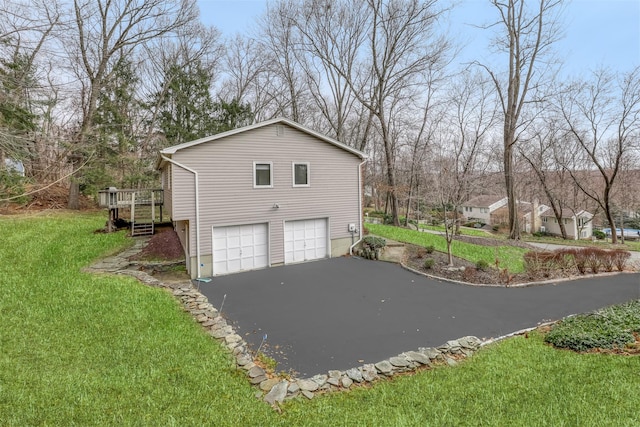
point(238, 248)
point(305, 240)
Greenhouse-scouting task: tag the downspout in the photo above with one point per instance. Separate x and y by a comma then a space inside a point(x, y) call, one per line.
point(195, 174)
point(360, 190)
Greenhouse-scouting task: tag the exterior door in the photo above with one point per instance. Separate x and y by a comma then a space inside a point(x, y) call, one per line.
point(305, 240)
point(239, 248)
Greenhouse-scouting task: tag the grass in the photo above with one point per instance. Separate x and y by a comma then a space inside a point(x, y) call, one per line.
point(465, 231)
point(519, 382)
point(81, 349)
point(509, 256)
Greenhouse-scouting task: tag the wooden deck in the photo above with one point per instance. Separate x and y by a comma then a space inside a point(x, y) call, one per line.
point(116, 198)
point(140, 204)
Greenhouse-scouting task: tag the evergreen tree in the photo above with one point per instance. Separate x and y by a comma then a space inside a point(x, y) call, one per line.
point(232, 115)
point(186, 107)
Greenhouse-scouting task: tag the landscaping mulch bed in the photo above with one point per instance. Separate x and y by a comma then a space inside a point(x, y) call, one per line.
point(466, 271)
point(164, 245)
point(463, 270)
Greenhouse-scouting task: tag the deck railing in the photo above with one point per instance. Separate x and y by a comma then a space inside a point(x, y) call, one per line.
point(117, 198)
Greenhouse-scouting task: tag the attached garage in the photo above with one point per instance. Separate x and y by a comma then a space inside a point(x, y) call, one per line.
point(239, 248)
point(305, 240)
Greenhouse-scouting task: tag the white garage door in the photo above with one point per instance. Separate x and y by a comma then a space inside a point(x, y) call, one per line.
point(305, 240)
point(238, 248)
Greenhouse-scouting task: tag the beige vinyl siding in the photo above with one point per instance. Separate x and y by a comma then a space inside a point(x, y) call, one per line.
point(183, 194)
point(167, 193)
point(228, 197)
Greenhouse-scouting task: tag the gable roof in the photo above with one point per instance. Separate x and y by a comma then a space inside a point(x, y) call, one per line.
point(281, 120)
point(567, 213)
point(483, 201)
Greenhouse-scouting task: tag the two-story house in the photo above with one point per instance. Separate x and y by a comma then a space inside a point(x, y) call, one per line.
point(267, 194)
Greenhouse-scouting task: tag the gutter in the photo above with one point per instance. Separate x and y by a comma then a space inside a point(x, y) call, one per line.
point(360, 190)
point(197, 197)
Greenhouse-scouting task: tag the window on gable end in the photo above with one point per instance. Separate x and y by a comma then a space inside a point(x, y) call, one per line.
point(300, 171)
point(262, 174)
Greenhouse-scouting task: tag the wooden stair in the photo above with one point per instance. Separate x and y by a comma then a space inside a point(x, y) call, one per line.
point(143, 216)
point(142, 228)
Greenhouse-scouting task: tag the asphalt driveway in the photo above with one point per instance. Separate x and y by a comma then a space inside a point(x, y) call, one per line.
point(342, 312)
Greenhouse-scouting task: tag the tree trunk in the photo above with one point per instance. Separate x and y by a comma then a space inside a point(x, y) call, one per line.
point(512, 202)
point(406, 217)
point(391, 173)
point(74, 194)
point(612, 222)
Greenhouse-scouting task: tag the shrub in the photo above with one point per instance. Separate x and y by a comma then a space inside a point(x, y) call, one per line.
point(429, 263)
point(600, 235)
point(580, 258)
point(620, 257)
point(12, 184)
point(607, 260)
point(482, 265)
point(469, 274)
point(541, 234)
point(536, 262)
point(371, 247)
point(594, 258)
point(609, 327)
point(429, 249)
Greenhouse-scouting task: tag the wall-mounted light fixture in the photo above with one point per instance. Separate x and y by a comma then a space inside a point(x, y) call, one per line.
point(276, 206)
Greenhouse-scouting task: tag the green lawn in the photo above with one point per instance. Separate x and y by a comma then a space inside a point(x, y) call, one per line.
point(509, 256)
point(465, 231)
point(81, 349)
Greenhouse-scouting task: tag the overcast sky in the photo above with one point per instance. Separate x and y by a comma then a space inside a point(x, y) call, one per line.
point(598, 32)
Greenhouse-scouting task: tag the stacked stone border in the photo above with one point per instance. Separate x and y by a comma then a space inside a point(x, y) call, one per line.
point(275, 389)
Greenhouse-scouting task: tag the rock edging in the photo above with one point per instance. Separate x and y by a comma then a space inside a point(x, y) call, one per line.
point(272, 388)
point(275, 389)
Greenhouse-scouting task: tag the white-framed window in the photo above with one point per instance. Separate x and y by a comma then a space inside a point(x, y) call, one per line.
point(300, 174)
point(262, 174)
point(544, 219)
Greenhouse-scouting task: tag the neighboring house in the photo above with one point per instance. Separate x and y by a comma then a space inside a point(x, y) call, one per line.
point(532, 217)
point(266, 194)
point(480, 208)
point(577, 225)
point(528, 215)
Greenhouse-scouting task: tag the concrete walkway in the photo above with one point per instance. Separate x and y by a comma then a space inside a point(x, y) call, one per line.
point(340, 313)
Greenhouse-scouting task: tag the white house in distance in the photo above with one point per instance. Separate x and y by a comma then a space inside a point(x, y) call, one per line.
point(480, 208)
point(267, 194)
point(578, 225)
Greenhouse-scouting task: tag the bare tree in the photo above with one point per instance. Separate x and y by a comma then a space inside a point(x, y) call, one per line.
point(472, 114)
point(602, 117)
point(102, 32)
point(281, 42)
point(545, 154)
point(333, 35)
point(24, 30)
point(527, 36)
